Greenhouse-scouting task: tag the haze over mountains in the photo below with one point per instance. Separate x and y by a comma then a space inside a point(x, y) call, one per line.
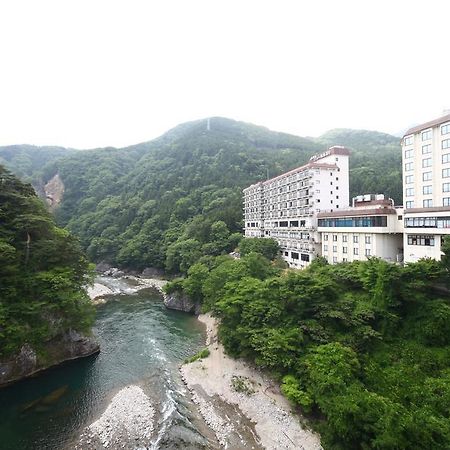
point(137, 206)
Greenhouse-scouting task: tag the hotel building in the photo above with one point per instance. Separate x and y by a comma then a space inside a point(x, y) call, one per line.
point(285, 208)
point(426, 188)
point(372, 227)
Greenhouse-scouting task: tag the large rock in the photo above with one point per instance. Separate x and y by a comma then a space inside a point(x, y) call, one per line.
point(71, 345)
point(181, 302)
point(152, 272)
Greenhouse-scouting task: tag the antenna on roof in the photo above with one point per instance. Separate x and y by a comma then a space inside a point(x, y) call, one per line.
point(208, 124)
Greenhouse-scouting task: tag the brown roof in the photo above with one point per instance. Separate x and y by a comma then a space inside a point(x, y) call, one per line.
point(426, 125)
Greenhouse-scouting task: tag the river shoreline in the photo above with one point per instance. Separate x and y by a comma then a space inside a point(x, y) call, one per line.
point(263, 404)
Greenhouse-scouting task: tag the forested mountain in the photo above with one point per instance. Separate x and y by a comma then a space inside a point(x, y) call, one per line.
point(42, 277)
point(167, 201)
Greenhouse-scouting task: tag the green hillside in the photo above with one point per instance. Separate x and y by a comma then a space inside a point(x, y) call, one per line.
point(165, 202)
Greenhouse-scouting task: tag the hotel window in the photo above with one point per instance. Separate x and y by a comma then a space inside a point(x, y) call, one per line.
point(335, 259)
point(344, 238)
point(355, 239)
point(426, 176)
point(409, 205)
point(445, 144)
point(420, 240)
point(334, 237)
point(408, 140)
point(367, 252)
point(446, 201)
point(408, 166)
point(446, 158)
point(445, 187)
point(409, 153)
point(428, 203)
point(445, 129)
point(409, 179)
point(426, 162)
point(344, 260)
point(355, 251)
point(409, 192)
point(325, 248)
point(334, 248)
point(426, 135)
point(427, 190)
point(344, 249)
point(445, 173)
point(368, 240)
point(426, 149)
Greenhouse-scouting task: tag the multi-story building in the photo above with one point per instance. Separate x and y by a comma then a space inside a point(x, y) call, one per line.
point(285, 207)
point(371, 227)
point(426, 188)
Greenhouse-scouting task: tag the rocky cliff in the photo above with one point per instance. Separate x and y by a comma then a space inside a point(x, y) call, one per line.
point(68, 346)
point(181, 302)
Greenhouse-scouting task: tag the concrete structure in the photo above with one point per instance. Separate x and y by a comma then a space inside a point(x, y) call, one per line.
point(285, 207)
point(372, 227)
point(426, 188)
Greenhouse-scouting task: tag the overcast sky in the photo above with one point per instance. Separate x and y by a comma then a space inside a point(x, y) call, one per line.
point(97, 73)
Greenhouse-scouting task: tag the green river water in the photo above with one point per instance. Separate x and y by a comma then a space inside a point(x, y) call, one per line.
point(141, 343)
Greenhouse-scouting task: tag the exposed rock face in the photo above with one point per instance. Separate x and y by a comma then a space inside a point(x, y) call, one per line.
point(152, 272)
point(181, 302)
point(54, 191)
point(70, 345)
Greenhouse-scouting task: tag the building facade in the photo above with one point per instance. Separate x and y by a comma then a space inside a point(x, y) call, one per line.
point(371, 227)
point(285, 208)
point(426, 188)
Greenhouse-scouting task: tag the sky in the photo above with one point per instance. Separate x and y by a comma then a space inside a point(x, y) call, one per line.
point(97, 73)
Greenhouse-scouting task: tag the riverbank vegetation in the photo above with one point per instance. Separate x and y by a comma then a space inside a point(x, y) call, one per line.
point(362, 348)
point(42, 272)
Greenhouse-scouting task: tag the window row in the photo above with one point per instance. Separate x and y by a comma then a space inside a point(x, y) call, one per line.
point(427, 222)
point(367, 251)
point(420, 240)
point(372, 221)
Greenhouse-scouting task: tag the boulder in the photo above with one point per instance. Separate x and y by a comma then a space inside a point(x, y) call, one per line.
point(152, 272)
point(181, 302)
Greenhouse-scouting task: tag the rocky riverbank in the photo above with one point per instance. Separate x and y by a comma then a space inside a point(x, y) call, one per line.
point(251, 392)
point(126, 423)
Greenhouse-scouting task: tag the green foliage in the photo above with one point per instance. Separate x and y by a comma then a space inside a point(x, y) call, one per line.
point(269, 248)
point(200, 355)
point(42, 272)
point(362, 347)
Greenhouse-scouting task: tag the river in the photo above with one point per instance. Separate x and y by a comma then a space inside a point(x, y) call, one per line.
point(142, 343)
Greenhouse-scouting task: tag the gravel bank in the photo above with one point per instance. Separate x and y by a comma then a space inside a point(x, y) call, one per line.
point(276, 427)
point(126, 423)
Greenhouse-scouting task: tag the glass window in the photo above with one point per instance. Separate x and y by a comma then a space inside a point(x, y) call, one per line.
point(445, 129)
point(409, 205)
point(426, 162)
point(368, 240)
point(409, 153)
point(408, 140)
point(335, 259)
point(446, 201)
point(344, 249)
point(428, 203)
point(344, 238)
point(334, 248)
point(409, 179)
point(408, 166)
point(355, 239)
point(426, 149)
point(426, 135)
point(445, 173)
point(409, 192)
point(420, 240)
point(325, 248)
point(427, 190)
point(344, 260)
point(367, 252)
point(426, 176)
point(334, 237)
point(356, 251)
point(445, 143)
point(446, 158)
point(445, 187)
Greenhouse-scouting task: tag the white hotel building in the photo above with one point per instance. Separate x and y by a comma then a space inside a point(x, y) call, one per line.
point(426, 188)
point(372, 227)
point(285, 208)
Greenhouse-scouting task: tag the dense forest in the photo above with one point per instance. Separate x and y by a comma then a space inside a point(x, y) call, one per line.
point(362, 348)
point(43, 272)
point(166, 202)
